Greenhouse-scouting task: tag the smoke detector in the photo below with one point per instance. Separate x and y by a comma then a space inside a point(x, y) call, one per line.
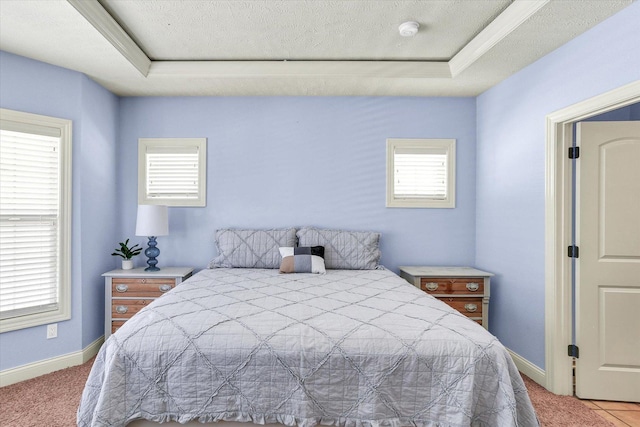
point(409, 29)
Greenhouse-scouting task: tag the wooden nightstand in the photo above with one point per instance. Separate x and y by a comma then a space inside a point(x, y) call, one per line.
point(128, 291)
point(463, 288)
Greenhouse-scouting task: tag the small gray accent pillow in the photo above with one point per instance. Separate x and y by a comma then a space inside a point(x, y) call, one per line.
point(343, 249)
point(251, 248)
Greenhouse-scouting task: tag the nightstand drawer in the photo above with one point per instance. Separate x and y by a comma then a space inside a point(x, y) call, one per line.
point(129, 291)
point(471, 307)
point(121, 287)
point(125, 308)
point(115, 325)
point(439, 285)
point(465, 289)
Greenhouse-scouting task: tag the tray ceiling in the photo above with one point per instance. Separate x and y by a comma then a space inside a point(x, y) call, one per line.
point(288, 47)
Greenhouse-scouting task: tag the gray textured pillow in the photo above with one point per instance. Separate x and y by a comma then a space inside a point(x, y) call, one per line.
point(344, 250)
point(251, 248)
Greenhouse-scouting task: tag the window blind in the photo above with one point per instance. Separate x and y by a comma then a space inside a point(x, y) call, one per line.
point(29, 220)
point(172, 172)
point(420, 173)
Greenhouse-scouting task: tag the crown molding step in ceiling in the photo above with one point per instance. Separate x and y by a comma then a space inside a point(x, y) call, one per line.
point(325, 69)
point(508, 21)
point(297, 47)
point(113, 32)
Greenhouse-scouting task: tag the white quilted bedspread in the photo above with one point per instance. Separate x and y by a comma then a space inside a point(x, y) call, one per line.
point(352, 348)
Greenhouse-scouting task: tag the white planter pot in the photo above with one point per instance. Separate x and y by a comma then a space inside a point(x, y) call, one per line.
point(127, 264)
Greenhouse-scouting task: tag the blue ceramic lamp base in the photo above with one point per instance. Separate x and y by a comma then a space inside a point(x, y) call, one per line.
point(152, 253)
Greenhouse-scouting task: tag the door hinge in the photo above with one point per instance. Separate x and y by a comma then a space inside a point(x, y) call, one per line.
point(574, 152)
point(573, 252)
point(573, 351)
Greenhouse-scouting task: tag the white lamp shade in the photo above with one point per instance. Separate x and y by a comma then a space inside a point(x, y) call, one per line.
point(153, 220)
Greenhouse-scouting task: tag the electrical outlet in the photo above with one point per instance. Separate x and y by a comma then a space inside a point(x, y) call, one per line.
point(52, 330)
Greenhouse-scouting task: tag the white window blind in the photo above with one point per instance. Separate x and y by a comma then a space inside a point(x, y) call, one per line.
point(29, 220)
point(421, 173)
point(172, 171)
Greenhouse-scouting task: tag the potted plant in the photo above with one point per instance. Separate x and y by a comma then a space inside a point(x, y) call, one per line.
point(126, 253)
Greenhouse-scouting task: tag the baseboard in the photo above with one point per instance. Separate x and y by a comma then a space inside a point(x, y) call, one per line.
point(538, 375)
point(42, 367)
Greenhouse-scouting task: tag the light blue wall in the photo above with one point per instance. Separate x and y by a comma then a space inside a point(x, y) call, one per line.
point(39, 88)
point(281, 162)
point(511, 170)
point(98, 205)
point(320, 161)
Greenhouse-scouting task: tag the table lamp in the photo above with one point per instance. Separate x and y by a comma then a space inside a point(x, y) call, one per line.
point(152, 221)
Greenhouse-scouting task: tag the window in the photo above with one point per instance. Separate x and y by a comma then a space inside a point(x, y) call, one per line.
point(172, 171)
point(421, 173)
point(35, 220)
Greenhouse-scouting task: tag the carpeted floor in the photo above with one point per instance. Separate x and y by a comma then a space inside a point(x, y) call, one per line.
point(47, 401)
point(561, 411)
point(51, 401)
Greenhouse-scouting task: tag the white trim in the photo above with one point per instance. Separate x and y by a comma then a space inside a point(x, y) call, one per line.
point(43, 367)
point(508, 21)
point(197, 143)
point(65, 222)
point(446, 145)
point(558, 310)
point(616, 98)
point(537, 374)
point(102, 21)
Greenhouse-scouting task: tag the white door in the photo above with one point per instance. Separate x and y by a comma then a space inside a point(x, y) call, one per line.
point(608, 266)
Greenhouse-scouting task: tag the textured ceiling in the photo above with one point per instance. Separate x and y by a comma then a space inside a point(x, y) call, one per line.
point(302, 30)
point(290, 47)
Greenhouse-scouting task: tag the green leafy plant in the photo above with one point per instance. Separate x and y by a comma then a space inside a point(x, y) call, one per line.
point(127, 252)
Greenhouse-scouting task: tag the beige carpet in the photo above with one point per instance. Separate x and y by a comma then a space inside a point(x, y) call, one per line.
point(51, 401)
point(47, 401)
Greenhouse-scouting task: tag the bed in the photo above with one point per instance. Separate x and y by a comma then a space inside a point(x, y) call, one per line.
point(350, 348)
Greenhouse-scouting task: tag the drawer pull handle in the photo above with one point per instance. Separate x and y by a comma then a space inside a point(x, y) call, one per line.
point(473, 286)
point(431, 286)
point(122, 288)
point(471, 308)
point(164, 288)
point(122, 309)
point(144, 280)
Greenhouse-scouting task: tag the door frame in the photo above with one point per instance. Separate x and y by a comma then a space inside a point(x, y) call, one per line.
point(558, 189)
